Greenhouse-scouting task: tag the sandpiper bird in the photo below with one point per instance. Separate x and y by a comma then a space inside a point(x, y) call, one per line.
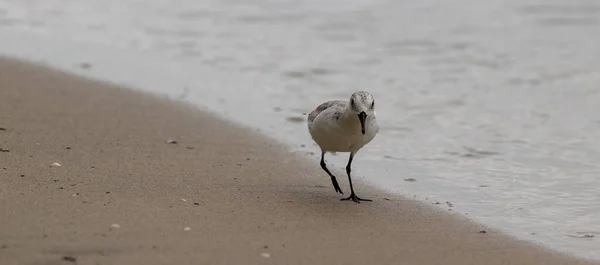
point(344, 126)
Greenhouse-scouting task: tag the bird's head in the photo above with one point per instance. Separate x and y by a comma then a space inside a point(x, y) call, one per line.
point(362, 104)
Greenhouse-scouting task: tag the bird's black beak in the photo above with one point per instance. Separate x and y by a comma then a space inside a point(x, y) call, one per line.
point(362, 117)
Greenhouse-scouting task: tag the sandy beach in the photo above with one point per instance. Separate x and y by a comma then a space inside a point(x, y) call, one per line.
point(222, 194)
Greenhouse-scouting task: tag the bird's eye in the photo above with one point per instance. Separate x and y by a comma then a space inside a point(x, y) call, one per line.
point(373, 104)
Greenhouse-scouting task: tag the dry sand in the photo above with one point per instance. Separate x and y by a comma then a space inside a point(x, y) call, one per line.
point(244, 197)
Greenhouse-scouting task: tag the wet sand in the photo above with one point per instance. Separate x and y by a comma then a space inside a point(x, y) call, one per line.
point(221, 194)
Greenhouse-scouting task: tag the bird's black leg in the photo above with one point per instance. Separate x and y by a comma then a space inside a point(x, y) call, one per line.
point(352, 196)
point(333, 180)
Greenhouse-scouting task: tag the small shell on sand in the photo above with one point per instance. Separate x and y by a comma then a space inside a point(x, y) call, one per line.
point(55, 164)
point(115, 226)
point(265, 255)
point(187, 228)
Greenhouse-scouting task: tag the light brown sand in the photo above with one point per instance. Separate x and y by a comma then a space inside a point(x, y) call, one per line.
point(245, 195)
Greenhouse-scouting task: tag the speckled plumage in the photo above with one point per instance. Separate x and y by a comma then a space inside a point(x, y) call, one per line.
point(332, 103)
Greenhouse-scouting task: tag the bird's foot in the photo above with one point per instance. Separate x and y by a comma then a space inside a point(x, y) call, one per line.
point(355, 198)
point(336, 186)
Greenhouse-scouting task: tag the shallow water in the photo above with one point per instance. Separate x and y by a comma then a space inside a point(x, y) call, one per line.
point(491, 105)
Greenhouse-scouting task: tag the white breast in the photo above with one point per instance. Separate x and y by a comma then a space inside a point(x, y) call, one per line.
point(335, 132)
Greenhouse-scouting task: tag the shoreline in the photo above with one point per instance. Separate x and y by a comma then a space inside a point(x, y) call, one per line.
point(242, 190)
point(152, 73)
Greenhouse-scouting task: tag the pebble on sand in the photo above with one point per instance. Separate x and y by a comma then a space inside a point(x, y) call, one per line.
point(265, 255)
point(187, 228)
point(115, 226)
point(171, 141)
point(55, 164)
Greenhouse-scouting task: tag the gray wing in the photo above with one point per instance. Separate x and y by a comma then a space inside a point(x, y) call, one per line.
point(313, 114)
